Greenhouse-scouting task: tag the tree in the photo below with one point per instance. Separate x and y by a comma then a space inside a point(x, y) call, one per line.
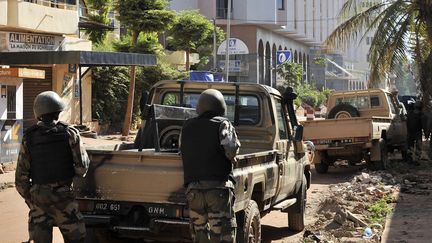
point(99, 10)
point(192, 32)
point(291, 72)
point(405, 29)
point(141, 16)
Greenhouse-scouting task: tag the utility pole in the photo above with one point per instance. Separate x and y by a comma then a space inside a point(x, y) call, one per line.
point(214, 45)
point(228, 35)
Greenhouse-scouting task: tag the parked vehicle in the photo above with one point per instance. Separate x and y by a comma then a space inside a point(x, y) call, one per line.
point(360, 125)
point(136, 190)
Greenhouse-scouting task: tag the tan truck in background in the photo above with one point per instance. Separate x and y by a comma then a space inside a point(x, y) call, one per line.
point(136, 190)
point(362, 125)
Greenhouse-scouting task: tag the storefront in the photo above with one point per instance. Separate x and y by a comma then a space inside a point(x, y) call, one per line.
point(11, 109)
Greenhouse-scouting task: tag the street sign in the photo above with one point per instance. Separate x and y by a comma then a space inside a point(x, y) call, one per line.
point(234, 65)
point(282, 56)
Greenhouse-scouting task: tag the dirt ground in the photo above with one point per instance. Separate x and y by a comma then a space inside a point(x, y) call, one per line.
point(409, 222)
point(13, 211)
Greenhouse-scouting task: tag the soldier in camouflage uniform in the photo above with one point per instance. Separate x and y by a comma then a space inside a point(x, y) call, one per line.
point(209, 145)
point(51, 155)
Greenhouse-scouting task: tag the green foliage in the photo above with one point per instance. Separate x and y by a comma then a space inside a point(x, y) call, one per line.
point(145, 15)
point(151, 75)
point(400, 29)
point(291, 72)
point(192, 32)
point(309, 95)
point(99, 13)
point(320, 61)
point(110, 87)
point(109, 95)
point(380, 209)
point(147, 43)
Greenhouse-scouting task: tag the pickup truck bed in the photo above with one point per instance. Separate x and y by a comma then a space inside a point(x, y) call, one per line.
point(352, 130)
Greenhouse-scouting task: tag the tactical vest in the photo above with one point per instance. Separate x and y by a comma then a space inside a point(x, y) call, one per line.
point(50, 154)
point(203, 155)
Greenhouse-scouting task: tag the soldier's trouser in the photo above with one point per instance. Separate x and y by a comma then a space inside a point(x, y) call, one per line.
point(211, 214)
point(54, 206)
point(414, 147)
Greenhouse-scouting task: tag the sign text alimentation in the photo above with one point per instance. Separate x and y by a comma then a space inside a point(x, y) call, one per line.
point(31, 41)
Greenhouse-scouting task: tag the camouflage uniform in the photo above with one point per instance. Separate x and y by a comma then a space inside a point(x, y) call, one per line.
point(52, 204)
point(211, 202)
point(414, 136)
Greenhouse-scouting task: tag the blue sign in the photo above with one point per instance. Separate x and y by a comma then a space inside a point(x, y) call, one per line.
point(283, 56)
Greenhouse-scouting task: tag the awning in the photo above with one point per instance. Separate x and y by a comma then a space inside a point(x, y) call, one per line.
point(82, 58)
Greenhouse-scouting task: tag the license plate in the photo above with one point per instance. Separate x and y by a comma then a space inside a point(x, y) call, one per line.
point(107, 207)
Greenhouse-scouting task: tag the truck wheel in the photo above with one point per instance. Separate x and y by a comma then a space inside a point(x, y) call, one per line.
point(321, 168)
point(297, 212)
point(249, 224)
point(343, 111)
point(383, 162)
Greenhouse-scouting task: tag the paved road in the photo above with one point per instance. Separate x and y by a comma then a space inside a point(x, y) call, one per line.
point(13, 211)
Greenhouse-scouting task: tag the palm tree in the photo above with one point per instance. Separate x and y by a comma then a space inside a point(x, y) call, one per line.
point(403, 30)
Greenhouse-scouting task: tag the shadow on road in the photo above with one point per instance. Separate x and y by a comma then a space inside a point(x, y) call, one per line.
point(272, 233)
point(335, 175)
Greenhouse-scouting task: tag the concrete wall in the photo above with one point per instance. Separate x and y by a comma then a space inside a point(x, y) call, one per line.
point(184, 4)
point(258, 10)
point(41, 18)
point(3, 12)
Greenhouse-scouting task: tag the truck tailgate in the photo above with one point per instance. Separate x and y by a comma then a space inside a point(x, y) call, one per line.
point(343, 128)
point(133, 176)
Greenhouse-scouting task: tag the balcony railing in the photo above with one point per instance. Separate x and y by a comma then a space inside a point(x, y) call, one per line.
point(61, 4)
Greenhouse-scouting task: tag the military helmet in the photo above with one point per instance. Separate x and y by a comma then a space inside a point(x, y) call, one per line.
point(211, 100)
point(47, 102)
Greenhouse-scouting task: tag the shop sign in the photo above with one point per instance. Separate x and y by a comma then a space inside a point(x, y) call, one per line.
point(22, 73)
point(234, 65)
point(235, 47)
point(10, 139)
point(17, 41)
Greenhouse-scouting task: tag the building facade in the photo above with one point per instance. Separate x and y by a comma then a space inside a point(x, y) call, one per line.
point(300, 26)
point(32, 26)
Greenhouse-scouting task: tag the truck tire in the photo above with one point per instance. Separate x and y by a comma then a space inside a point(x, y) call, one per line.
point(383, 162)
point(249, 224)
point(343, 111)
point(321, 168)
point(296, 214)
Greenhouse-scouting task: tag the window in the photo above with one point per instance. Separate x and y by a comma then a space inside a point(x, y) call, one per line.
point(11, 102)
point(375, 102)
point(282, 121)
point(222, 9)
point(249, 106)
point(359, 102)
point(281, 4)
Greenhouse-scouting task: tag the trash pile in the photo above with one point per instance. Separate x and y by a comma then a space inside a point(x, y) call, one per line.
point(344, 216)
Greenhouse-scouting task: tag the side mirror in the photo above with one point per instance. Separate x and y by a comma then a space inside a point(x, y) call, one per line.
point(298, 133)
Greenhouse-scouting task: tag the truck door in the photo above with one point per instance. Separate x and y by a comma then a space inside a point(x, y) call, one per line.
point(285, 160)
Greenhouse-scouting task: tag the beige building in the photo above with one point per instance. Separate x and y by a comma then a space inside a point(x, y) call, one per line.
point(39, 26)
point(266, 27)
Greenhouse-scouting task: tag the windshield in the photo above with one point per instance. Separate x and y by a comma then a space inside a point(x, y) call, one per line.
point(249, 106)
